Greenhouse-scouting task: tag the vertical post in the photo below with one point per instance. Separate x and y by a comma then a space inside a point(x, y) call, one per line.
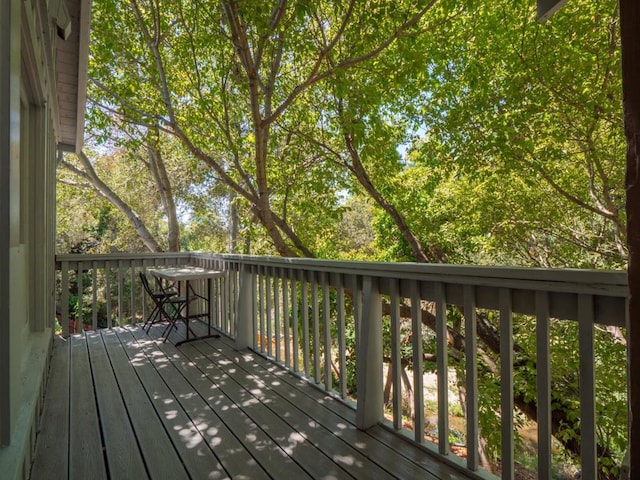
point(630, 48)
point(245, 311)
point(9, 143)
point(369, 358)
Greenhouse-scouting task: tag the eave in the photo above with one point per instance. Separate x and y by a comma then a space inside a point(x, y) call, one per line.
point(71, 75)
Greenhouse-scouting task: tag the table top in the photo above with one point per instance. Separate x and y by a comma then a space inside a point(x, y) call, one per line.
point(185, 272)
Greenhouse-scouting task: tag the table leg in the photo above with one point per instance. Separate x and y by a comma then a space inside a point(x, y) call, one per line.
point(186, 321)
point(210, 334)
point(209, 306)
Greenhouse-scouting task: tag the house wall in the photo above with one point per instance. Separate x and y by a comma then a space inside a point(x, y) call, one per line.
point(27, 219)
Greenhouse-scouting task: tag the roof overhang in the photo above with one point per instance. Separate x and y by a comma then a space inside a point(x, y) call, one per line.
point(73, 19)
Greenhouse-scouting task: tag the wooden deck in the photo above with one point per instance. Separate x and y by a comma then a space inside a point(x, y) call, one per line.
point(122, 405)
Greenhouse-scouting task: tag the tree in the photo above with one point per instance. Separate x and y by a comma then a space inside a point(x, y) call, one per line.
point(271, 101)
point(233, 80)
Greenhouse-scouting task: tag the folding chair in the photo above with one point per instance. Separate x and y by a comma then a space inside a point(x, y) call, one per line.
point(160, 298)
point(168, 307)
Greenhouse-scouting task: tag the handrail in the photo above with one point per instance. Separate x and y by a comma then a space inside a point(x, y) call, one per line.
point(303, 313)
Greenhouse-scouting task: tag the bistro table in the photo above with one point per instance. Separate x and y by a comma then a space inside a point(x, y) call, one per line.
point(183, 275)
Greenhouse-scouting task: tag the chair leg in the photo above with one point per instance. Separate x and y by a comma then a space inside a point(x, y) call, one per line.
point(151, 319)
point(172, 321)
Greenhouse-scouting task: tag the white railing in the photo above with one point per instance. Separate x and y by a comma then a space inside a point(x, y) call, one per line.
point(341, 324)
point(103, 291)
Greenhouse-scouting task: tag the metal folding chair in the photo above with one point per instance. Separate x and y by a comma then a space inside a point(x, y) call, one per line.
point(160, 298)
point(167, 307)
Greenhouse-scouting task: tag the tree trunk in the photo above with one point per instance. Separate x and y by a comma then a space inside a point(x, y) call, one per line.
point(161, 178)
point(360, 172)
point(103, 189)
point(630, 37)
point(234, 221)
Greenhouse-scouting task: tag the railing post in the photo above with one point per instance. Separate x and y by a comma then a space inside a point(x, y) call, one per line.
point(369, 358)
point(245, 311)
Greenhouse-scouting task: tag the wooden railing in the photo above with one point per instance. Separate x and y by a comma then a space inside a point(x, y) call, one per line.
point(342, 324)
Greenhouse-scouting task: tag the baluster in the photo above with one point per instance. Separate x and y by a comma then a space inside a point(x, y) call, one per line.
point(326, 318)
point(396, 358)
point(216, 303)
point(80, 282)
point(261, 280)
point(305, 324)
point(418, 389)
point(107, 292)
point(254, 321)
point(120, 292)
point(506, 383)
point(442, 365)
point(588, 451)
point(285, 318)
point(94, 295)
point(234, 271)
point(276, 310)
point(543, 384)
point(342, 347)
point(471, 370)
point(295, 274)
point(316, 329)
point(143, 298)
point(268, 312)
point(64, 302)
point(132, 295)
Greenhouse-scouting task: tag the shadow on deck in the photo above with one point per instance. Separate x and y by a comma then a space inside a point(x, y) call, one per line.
point(120, 404)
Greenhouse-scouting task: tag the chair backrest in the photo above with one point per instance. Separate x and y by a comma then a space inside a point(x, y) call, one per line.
point(145, 284)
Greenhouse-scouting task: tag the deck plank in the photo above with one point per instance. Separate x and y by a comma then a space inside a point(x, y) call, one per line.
point(232, 418)
point(341, 419)
point(192, 447)
point(203, 411)
point(293, 441)
point(86, 459)
point(158, 452)
point(303, 424)
point(53, 440)
point(121, 448)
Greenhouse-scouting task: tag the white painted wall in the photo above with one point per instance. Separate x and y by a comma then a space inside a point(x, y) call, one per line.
point(27, 243)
